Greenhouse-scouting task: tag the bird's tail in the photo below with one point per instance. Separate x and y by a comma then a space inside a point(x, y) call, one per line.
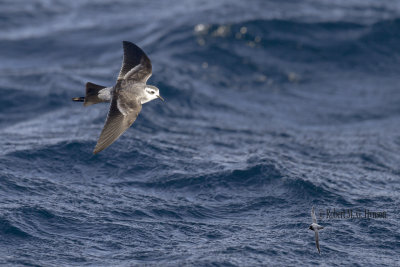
point(92, 92)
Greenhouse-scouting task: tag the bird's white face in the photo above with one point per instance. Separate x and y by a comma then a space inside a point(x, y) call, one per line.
point(151, 93)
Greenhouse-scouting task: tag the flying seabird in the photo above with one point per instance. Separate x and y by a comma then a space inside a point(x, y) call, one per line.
point(315, 227)
point(126, 96)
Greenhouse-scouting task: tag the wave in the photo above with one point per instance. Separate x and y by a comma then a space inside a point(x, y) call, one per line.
point(228, 46)
point(265, 116)
point(12, 232)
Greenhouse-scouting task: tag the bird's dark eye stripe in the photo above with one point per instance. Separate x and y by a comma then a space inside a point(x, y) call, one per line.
point(151, 92)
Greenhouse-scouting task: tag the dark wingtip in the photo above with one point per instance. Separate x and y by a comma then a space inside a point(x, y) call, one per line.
point(124, 43)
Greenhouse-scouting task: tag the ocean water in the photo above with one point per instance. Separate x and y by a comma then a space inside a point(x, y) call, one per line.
point(272, 107)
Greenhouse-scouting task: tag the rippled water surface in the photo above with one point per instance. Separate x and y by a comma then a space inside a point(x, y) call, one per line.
point(272, 107)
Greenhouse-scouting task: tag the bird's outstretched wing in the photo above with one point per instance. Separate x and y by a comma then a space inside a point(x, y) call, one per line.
point(317, 240)
point(314, 219)
point(124, 110)
point(135, 65)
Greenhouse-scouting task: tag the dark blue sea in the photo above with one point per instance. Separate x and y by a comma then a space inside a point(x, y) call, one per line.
point(271, 108)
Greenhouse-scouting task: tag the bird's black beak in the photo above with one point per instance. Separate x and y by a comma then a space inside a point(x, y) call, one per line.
point(160, 97)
